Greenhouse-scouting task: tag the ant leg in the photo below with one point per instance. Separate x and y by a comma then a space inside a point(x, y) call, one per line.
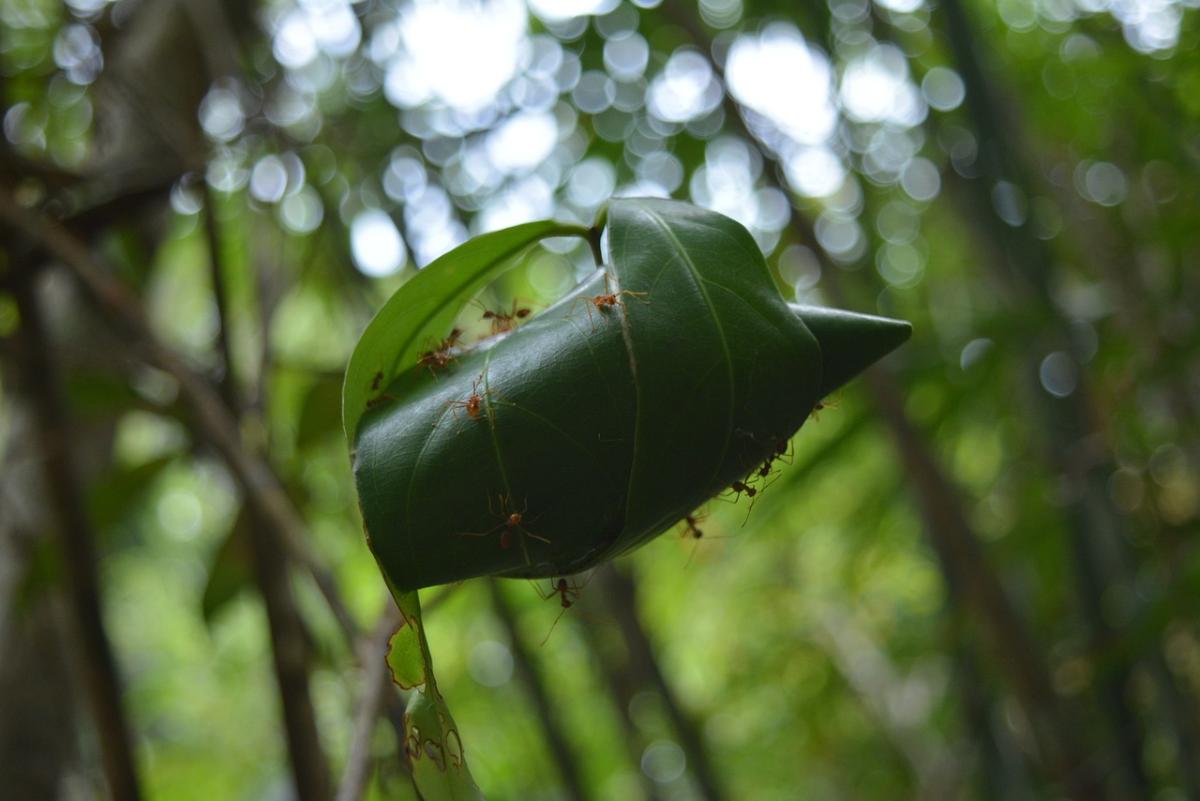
point(487, 533)
point(750, 508)
point(557, 618)
point(545, 595)
point(537, 537)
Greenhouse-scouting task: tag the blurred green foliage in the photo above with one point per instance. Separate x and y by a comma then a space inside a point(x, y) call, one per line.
point(819, 643)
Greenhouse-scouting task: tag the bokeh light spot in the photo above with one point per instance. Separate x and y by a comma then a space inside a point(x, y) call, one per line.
point(376, 244)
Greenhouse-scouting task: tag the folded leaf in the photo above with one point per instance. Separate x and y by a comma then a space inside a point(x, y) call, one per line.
point(669, 374)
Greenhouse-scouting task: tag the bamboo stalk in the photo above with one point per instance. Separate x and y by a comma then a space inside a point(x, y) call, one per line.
point(620, 594)
point(289, 650)
point(527, 670)
point(76, 542)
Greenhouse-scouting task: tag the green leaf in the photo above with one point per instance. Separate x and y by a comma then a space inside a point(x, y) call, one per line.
point(593, 427)
point(404, 658)
point(413, 321)
point(431, 738)
point(597, 425)
point(435, 751)
point(422, 312)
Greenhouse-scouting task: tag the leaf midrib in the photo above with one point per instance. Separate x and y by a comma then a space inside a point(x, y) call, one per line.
point(698, 280)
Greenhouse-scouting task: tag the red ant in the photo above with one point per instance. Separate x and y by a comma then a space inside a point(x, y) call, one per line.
point(823, 404)
point(502, 321)
point(380, 399)
point(744, 488)
point(568, 594)
point(510, 521)
point(692, 531)
point(781, 449)
point(376, 381)
point(741, 487)
point(473, 404)
point(439, 358)
point(608, 300)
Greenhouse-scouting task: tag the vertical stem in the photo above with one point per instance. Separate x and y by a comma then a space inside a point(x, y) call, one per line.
point(1068, 425)
point(212, 235)
point(966, 571)
point(622, 687)
point(527, 670)
point(621, 596)
point(993, 782)
point(289, 651)
point(376, 686)
point(289, 648)
point(76, 541)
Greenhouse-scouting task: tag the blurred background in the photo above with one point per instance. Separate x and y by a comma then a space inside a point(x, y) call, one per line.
point(977, 578)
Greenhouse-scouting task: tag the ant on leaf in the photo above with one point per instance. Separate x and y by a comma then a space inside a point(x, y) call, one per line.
point(473, 405)
point(511, 521)
point(742, 488)
point(381, 398)
point(439, 358)
point(692, 527)
point(608, 300)
point(504, 321)
point(826, 403)
point(747, 488)
point(691, 530)
point(567, 593)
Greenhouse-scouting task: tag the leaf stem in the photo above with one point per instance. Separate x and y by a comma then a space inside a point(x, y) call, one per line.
point(595, 232)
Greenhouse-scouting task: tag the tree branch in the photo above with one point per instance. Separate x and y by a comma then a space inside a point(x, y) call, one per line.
point(621, 596)
point(289, 650)
point(527, 670)
point(622, 687)
point(375, 684)
point(213, 421)
point(216, 269)
point(76, 541)
point(262, 487)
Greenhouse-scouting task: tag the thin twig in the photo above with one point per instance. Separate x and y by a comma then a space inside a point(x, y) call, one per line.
point(310, 770)
point(289, 653)
point(622, 688)
point(259, 483)
point(216, 269)
point(262, 487)
point(620, 593)
point(375, 685)
point(531, 677)
point(77, 549)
